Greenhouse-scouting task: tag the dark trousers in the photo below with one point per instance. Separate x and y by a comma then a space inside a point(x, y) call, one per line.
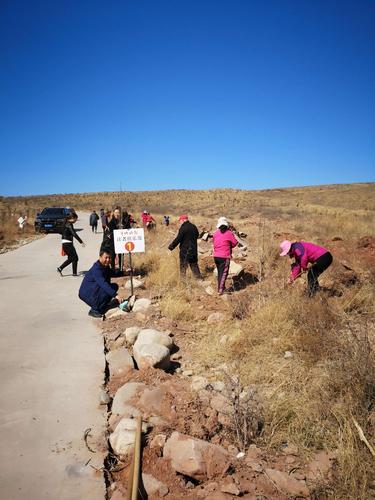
point(94, 227)
point(193, 263)
point(222, 266)
point(319, 266)
point(103, 300)
point(72, 257)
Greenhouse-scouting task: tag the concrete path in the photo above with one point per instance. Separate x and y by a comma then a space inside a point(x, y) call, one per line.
point(51, 369)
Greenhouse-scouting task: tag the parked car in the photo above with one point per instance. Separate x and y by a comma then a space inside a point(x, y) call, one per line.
point(51, 219)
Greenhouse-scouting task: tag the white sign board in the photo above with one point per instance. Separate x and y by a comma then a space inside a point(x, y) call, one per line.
point(129, 240)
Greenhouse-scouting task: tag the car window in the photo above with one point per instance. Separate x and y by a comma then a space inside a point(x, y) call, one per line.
point(53, 212)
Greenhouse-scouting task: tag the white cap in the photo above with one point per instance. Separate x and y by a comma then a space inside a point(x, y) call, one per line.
point(222, 222)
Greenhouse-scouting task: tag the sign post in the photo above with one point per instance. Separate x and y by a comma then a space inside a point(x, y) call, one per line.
point(129, 241)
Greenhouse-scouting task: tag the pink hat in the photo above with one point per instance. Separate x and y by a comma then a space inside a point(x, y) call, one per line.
point(285, 247)
point(183, 218)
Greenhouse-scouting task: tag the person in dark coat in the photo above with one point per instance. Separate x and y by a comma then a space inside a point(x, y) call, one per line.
point(127, 220)
point(187, 238)
point(108, 239)
point(67, 235)
point(103, 219)
point(96, 289)
point(94, 217)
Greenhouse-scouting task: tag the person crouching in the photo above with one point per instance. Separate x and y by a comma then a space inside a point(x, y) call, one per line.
point(223, 240)
point(96, 289)
point(303, 254)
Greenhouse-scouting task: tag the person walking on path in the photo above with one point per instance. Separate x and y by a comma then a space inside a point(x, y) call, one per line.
point(303, 254)
point(103, 220)
point(224, 241)
point(187, 238)
point(94, 217)
point(68, 233)
point(96, 289)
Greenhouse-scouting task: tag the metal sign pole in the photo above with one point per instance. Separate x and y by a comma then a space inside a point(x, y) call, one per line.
point(131, 273)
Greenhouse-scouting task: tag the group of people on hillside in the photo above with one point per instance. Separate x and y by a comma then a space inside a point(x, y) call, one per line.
point(98, 292)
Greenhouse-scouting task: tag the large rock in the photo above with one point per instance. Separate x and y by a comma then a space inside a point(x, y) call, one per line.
point(120, 362)
point(131, 334)
point(287, 484)
point(124, 395)
point(151, 336)
point(136, 284)
point(142, 305)
point(151, 355)
point(122, 438)
point(195, 458)
point(234, 269)
point(153, 486)
point(151, 399)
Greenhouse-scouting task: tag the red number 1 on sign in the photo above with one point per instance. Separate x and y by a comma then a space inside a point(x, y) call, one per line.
point(129, 246)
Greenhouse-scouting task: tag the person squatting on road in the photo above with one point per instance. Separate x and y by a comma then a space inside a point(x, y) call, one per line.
point(223, 241)
point(96, 289)
point(94, 217)
point(303, 254)
point(187, 238)
point(67, 235)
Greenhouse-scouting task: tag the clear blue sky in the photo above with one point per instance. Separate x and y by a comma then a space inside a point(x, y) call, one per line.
point(154, 94)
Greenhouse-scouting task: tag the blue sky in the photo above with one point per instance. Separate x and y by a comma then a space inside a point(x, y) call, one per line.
point(158, 94)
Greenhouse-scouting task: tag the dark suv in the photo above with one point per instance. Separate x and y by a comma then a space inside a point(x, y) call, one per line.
point(51, 220)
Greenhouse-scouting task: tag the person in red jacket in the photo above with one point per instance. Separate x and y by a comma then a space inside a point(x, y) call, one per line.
point(305, 253)
point(224, 240)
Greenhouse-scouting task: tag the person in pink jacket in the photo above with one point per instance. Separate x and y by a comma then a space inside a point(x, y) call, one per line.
point(224, 241)
point(305, 253)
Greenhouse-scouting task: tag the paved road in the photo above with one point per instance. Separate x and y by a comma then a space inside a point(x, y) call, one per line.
point(51, 368)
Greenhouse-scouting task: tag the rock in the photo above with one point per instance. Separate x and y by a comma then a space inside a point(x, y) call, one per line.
point(115, 313)
point(104, 397)
point(288, 354)
point(151, 336)
point(141, 305)
point(187, 373)
point(218, 386)
point(221, 404)
point(198, 383)
point(209, 290)
point(153, 486)
point(157, 421)
point(158, 441)
point(241, 455)
point(151, 355)
point(124, 395)
point(131, 334)
point(129, 412)
point(254, 465)
point(321, 467)
point(287, 484)
point(120, 362)
point(234, 269)
point(290, 449)
point(230, 487)
point(195, 458)
point(122, 438)
point(224, 338)
point(216, 317)
point(136, 284)
point(151, 399)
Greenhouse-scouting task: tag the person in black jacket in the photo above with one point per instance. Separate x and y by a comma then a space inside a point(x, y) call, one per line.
point(96, 289)
point(108, 240)
point(94, 217)
point(67, 235)
point(187, 239)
